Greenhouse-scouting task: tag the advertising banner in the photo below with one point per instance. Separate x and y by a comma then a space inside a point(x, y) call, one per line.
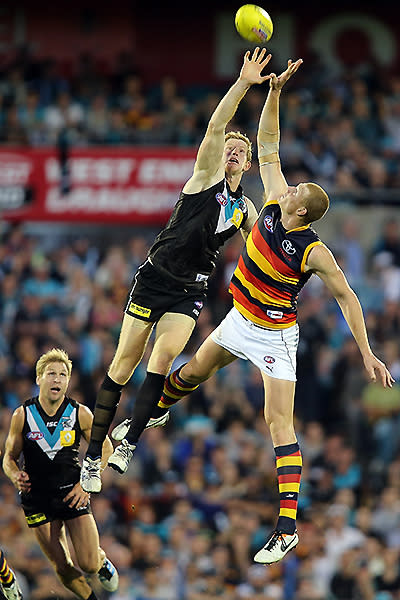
point(137, 186)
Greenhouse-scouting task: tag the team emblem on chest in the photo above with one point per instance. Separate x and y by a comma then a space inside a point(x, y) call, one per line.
point(288, 247)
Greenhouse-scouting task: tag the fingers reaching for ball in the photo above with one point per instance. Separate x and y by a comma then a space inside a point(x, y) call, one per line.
point(254, 65)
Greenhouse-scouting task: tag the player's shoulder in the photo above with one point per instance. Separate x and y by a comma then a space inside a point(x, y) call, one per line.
point(319, 255)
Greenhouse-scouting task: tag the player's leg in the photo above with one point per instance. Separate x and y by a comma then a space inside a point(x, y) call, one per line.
point(209, 358)
point(8, 581)
point(53, 542)
point(214, 354)
point(278, 411)
point(90, 557)
point(132, 342)
point(131, 345)
point(172, 333)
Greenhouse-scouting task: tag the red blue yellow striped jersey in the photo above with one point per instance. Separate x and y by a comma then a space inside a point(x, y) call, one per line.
point(270, 272)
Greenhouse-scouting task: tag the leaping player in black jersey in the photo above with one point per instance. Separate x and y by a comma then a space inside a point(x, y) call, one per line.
point(281, 253)
point(46, 430)
point(170, 288)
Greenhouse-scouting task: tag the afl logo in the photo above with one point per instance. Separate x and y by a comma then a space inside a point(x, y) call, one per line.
point(288, 248)
point(35, 436)
point(269, 360)
point(221, 199)
point(269, 223)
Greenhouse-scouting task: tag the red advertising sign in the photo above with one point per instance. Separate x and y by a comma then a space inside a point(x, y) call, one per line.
point(126, 185)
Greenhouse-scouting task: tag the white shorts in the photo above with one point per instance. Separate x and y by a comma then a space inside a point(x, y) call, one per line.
point(272, 351)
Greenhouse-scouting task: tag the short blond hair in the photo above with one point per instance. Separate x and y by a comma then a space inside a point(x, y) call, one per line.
point(236, 135)
point(316, 202)
point(53, 355)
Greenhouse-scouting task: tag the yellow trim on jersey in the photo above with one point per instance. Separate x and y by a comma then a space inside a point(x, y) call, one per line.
point(256, 293)
point(260, 260)
point(269, 202)
point(307, 252)
point(301, 228)
point(243, 311)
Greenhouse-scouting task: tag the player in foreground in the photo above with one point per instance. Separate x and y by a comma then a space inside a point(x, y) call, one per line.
point(281, 254)
point(170, 288)
point(8, 582)
point(47, 431)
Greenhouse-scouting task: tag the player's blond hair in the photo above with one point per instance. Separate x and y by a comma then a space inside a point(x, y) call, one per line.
point(236, 135)
point(53, 355)
point(316, 202)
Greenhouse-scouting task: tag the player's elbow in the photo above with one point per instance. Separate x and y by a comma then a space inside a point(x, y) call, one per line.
point(215, 126)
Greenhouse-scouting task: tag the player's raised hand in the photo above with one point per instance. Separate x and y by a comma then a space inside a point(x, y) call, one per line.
point(254, 65)
point(277, 82)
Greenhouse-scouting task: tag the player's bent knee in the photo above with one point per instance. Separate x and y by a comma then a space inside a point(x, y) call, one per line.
point(90, 566)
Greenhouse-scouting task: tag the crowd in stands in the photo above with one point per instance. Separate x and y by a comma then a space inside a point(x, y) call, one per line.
point(200, 496)
point(342, 129)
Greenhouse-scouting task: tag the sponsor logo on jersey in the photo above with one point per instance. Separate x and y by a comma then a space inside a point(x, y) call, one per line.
point(67, 438)
point(34, 435)
point(199, 304)
point(269, 223)
point(269, 359)
point(196, 312)
point(288, 247)
point(223, 200)
point(51, 424)
point(139, 310)
point(275, 314)
point(237, 217)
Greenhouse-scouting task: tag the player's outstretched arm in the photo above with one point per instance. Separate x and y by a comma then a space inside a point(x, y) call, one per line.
point(269, 133)
point(208, 160)
point(322, 263)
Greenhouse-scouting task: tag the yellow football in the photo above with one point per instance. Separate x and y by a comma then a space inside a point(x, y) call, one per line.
point(254, 24)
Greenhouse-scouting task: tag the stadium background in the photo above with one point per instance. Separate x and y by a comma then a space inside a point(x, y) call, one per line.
point(138, 84)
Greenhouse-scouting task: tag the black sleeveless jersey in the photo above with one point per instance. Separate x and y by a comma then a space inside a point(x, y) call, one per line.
point(51, 446)
point(187, 248)
point(270, 271)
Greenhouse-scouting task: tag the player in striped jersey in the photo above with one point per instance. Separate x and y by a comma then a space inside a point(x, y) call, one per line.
point(281, 253)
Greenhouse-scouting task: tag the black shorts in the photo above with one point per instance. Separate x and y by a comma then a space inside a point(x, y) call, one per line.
point(40, 508)
point(153, 294)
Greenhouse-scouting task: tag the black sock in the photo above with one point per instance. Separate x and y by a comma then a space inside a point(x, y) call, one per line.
point(159, 411)
point(104, 413)
point(147, 397)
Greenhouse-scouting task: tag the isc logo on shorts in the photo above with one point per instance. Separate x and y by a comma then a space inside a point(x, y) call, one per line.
point(139, 310)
